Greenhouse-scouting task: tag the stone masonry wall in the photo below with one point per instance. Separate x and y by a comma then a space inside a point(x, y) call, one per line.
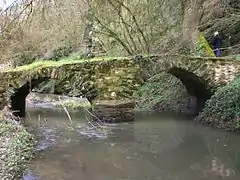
point(119, 78)
point(106, 79)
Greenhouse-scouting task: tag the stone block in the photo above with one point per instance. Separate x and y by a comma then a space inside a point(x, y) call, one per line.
point(114, 111)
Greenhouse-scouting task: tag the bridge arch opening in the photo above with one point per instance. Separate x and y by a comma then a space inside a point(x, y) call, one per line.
point(17, 98)
point(195, 86)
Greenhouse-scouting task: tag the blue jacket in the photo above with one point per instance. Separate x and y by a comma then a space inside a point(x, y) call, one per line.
point(217, 42)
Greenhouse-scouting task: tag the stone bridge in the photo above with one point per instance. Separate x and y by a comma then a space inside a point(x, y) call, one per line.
point(116, 78)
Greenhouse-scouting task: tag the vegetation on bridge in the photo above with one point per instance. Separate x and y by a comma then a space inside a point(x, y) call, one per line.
point(62, 61)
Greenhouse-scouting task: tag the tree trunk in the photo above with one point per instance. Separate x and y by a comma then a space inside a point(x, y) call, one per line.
point(192, 14)
point(88, 32)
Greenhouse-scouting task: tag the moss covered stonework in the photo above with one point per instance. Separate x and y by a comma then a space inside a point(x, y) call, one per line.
point(113, 111)
point(117, 78)
point(96, 80)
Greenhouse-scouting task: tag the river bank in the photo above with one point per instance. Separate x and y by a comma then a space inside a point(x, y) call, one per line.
point(16, 149)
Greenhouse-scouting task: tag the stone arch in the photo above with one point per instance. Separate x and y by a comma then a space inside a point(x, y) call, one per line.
point(18, 91)
point(17, 97)
point(195, 73)
point(196, 87)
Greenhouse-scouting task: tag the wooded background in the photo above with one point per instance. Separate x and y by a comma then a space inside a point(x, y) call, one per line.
point(49, 29)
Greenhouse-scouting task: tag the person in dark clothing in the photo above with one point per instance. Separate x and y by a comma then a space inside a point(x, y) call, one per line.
point(217, 43)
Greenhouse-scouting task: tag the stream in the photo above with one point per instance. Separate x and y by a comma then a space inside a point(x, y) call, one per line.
point(155, 146)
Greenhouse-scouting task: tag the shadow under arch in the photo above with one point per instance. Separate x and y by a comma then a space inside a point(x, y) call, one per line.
point(17, 99)
point(195, 86)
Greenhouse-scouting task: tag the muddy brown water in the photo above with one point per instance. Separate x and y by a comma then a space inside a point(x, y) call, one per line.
point(153, 147)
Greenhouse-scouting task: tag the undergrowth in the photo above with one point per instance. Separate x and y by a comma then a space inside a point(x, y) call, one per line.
point(163, 92)
point(222, 110)
point(17, 148)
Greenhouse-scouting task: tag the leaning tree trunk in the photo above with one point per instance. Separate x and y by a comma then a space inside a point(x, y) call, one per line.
point(191, 18)
point(88, 36)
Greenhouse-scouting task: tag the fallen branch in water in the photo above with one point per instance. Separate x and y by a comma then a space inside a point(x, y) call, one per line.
point(65, 109)
point(101, 129)
point(94, 116)
point(102, 125)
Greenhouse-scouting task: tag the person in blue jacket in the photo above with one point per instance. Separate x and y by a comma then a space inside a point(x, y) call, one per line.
point(217, 43)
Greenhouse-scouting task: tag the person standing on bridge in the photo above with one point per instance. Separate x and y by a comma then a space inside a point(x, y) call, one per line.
point(217, 43)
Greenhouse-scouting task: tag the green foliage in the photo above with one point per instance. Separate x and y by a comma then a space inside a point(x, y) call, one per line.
point(5, 128)
point(203, 48)
point(48, 86)
point(163, 92)
point(223, 109)
point(19, 148)
point(61, 51)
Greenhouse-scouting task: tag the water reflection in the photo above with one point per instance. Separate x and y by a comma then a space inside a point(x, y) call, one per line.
point(154, 147)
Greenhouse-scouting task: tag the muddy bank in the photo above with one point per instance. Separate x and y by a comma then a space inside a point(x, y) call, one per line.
point(16, 149)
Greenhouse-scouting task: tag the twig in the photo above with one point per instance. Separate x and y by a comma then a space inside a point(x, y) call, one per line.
point(101, 125)
point(96, 126)
point(65, 109)
point(93, 115)
point(39, 119)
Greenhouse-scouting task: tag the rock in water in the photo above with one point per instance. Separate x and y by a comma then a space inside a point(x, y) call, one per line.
point(113, 111)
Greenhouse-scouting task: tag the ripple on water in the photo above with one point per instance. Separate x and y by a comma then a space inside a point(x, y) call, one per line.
point(48, 139)
point(95, 131)
point(29, 175)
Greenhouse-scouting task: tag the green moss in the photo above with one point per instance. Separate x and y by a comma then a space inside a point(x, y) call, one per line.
point(223, 108)
point(76, 59)
point(63, 61)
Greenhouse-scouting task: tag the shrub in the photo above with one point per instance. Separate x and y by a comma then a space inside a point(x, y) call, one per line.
point(17, 149)
point(222, 110)
point(62, 51)
point(25, 57)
